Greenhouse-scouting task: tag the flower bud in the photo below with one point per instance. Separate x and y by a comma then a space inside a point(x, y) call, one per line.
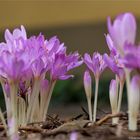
point(88, 87)
point(113, 95)
point(87, 83)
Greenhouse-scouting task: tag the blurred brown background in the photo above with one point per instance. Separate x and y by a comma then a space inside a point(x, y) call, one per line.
point(81, 24)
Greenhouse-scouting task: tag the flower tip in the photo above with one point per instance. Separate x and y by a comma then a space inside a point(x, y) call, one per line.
point(87, 78)
point(113, 86)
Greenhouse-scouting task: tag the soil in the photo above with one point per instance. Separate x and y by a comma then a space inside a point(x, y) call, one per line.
point(55, 128)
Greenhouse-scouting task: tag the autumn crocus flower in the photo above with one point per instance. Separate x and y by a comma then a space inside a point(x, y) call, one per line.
point(97, 65)
point(64, 63)
point(12, 69)
point(123, 30)
point(23, 68)
point(132, 57)
point(88, 89)
point(61, 65)
point(114, 62)
point(134, 102)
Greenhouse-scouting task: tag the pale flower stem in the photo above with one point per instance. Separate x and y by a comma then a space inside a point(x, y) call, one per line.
point(89, 108)
point(23, 113)
point(95, 99)
point(35, 102)
point(132, 125)
point(120, 96)
point(13, 129)
point(52, 84)
point(33, 98)
point(127, 75)
point(117, 82)
point(43, 99)
point(115, 103)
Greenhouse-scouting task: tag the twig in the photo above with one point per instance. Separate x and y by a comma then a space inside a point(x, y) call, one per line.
point(32, 123)
point(27, 128)
point(77, 117)
point(54, 120)
point(33, 129)
point(83, 109)
point(109, 116)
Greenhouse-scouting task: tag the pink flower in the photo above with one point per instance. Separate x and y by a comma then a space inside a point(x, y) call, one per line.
point(123, 30)
point(96, 64)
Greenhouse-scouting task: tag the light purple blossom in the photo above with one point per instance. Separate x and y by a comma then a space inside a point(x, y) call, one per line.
point(96, 64)
point(131, 58)
point(123, 30)
point(63, 63)
point(17, 33)
point(114, 61)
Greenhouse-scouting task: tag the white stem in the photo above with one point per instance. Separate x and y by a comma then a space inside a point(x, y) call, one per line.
point(43, 99)
point(33, 100)
point(120, 95)
point(115, 120)
point(89, 108)
point(133, 103)
point(51, 87)
point(12, 118)
point(132, 122)
point(127, 76)
point(95, 99)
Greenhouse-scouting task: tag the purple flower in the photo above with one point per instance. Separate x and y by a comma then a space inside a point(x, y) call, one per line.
point(123, 30)
point(132, 57)
point(62, 64)
point(114, 64)
point(111, 46)
point(17, 34)
point(11, 67)
point(114, 61)
point(53, 46)
point(96, 64)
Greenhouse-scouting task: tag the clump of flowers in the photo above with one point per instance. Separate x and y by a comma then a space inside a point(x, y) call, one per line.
point(122, 34)
point(114, 62)
point(31, 66)
point(29, 69)
point(123, 59)
point(97, 65)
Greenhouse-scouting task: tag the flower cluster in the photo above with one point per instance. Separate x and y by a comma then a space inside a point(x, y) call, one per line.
point(124, 58)
point(30, 67)
point(24, 64)
point(123, 34)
